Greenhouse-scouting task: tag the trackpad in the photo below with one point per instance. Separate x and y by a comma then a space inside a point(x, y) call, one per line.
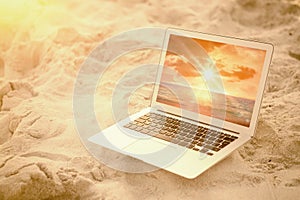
point(147, 146)
point(154, 152)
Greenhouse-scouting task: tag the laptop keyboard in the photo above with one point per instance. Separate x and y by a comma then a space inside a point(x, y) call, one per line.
point(183, 133)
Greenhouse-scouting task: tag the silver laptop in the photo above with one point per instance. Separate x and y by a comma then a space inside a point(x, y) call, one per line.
point(205, 103)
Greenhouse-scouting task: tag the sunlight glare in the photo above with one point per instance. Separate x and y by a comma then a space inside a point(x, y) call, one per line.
point(12, 11)
point(208, 74)
point(203, 96)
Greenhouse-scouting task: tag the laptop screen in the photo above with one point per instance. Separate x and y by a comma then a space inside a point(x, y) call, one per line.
point(211, 78)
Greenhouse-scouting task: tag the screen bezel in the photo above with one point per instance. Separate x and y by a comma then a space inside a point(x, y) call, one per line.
point(204, 118)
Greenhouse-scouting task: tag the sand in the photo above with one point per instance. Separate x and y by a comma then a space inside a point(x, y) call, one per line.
point(42, 47)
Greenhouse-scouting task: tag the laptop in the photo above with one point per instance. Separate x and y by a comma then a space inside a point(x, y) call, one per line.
point(205, 103)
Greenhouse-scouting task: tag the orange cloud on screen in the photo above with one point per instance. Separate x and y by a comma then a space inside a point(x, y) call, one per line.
point(241, 73)
point(183, 68)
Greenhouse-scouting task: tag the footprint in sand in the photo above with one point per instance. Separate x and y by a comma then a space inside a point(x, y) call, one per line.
point(268, 152)
point(13, 93)
point(37, 126)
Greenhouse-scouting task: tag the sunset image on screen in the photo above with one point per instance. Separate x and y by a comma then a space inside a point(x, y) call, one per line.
point(212, 78)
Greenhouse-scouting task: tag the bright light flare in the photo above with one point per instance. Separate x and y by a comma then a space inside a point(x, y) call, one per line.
point(13, 11)
point(40, 18)
point(203, 96)
point(209, 74)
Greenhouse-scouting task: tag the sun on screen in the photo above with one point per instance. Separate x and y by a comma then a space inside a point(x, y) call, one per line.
point(224, 82)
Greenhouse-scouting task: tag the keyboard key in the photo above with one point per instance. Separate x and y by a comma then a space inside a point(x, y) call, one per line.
point(208, 147)
point(194, 142)
point(139, 129)
point(200, 144)
point(196, 149)
point(127, 125)
point(175, 141)
point(151, 128)
point(145, 117)
point(183, 143)
point(139, 120)
point(233, 137)
point(223, 145)
point(225, 142)
point(169, 134)
point(156, 130)
point(201, 140)
point(228, 139)
point(216, 149)
point(163, 137)
point(188, 140)
point(204, 150)
point(144, 131)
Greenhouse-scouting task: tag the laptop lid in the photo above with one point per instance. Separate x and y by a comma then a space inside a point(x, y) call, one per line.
point(213, 79)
